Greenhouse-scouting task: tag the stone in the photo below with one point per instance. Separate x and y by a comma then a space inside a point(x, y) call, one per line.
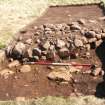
point(2, 56)
point(36, 52)
point(29, 52)
point(96, 71)
point(25, 68)
point(82, 21)
point(9, 50)
point(60, 43)
point(72, 69)
point(36, 58)
point(88, 47)
point(47, 29)
point(60, 75)
point(98, 36)
point(46, 45)
point(50, 55)
point(64, 52)
point(78, 43)
point(90, 34)
point(103, 35)
point(84, 40)
point(102, 18)
point(52, 47)
point(29, 41)
point(15, 63)
point(43, 58)
point(6, 73)
point(19, 50)
point(88, 55)
point(75, 26)
point(92, 40)
point(93, 21)
point(99, 42)
point(50, 67)
point(102, 72)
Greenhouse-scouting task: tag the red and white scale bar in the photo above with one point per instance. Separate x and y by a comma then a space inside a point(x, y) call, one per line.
point(57, 64)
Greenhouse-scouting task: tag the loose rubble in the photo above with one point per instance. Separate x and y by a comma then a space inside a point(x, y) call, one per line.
point(48, 43)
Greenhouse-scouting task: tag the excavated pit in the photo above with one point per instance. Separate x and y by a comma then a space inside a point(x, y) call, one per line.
point(35, 83)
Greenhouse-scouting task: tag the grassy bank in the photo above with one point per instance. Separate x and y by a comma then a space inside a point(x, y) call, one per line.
point(15, 14)
point(73, 2)
point(87, 100)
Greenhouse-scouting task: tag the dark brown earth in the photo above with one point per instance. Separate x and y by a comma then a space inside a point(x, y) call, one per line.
point(35, 83)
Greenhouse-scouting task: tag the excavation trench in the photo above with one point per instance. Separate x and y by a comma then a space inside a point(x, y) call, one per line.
point(35, 83)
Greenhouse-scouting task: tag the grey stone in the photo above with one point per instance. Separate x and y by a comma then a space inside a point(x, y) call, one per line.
point(90, 34)
point(36, 52)
point(36, 58)
point(19, 50)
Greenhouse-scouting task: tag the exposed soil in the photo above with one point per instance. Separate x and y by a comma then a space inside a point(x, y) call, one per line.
point(35, 83)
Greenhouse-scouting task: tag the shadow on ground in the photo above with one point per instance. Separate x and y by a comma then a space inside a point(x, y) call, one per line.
point(100, 89)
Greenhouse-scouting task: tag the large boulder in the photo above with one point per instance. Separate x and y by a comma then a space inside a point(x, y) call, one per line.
point(19, 50)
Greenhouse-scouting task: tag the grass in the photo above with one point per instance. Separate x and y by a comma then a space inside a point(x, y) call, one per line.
point(15, 14)
point(87, 100)
point(73, 2)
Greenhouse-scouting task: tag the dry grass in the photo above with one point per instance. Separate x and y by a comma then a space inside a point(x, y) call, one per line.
point(87, 100)
point(15, 14)
point(73, 2)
